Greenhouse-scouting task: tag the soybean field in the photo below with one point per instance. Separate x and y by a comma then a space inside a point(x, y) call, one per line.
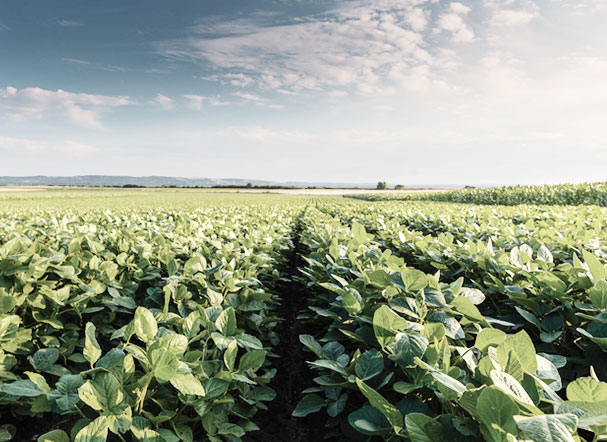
point(175, 315)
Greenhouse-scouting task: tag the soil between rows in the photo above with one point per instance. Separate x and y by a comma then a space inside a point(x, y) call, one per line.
point(293, 374)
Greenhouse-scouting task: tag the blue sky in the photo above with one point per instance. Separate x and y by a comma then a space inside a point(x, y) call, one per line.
point(407, 91)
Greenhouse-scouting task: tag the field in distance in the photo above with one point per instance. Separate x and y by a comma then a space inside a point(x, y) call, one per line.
point(302, 191)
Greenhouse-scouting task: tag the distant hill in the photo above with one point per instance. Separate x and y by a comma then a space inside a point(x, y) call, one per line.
point(160, 181)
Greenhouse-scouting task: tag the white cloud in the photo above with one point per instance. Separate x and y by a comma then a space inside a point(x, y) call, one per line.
point(218, 101)
point(36, 103)
point(353, 46)
point(240, 80)
point(69, 23)
point(453, 22)
point(249, 97)
point(417, 18)
point(459, 9)
point(287, 92)
point(94, 65)
point(259, 101)
point(163, 101)
point(511, 17)
point(5, 28)
point(194, 101)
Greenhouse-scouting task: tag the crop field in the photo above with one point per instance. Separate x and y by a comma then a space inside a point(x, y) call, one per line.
point(167, 316)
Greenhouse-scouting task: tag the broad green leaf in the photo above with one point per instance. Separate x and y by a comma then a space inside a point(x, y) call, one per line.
point(104, 392)
point(88, 395)
point(21, 388)
point(359, 233)
point(310, 403)
point(544, 254)
point(311, 344)
point(229, 357)
point(7, 303)
point(598, 294)
point(433, 330)
point(331, 365)
point(39, 380)
point(249, 342)
point(145, 324)
point(408, 346)
point(231, 430)
point(386, 324)
point(369, 421)
point(522, 345)
point(548, 428)
point(164, 364)
point(54, 436)
point(548, 372)
point(453, 328)
point(187, 384)
point(120, 420)
point(6, 433)
point(495, 410)
point(596, 268)
point(378, 401)
point(469, 310)
point(475, 296)
point(92, 350)
point(529, 317)
point(587, 389)
point(444, 379)
point(414, 279)
point(489, 337)
point(509, 385)
point(252, 360)
point(422, 428)
point(589, 413)
point(226, 322)
point(194, 265)
point(44, 358)
point(513, 366)
point(369, 364)
point(173, 342)
point(214, 387)
point(261, 394)
point(65, 396)
point(96, 431)
point(352, 301)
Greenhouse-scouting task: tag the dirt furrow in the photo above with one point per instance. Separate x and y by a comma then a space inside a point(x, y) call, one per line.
point(293, 375)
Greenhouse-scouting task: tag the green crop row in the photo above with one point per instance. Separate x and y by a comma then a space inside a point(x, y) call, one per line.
point(560, 194)
point(473, 350)
point(151, 325)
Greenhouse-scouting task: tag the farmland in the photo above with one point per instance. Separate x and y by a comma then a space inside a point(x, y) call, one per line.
point(155, 315)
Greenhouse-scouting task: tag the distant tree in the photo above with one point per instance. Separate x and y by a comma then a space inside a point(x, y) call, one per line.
point(381, 185)
point(249, 185)
point(399, 187)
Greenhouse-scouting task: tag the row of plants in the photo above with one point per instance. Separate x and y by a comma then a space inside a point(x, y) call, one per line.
point(148, 325)
point(559, 194)
point(442, 354)
point(533, 274)
point(554, 224)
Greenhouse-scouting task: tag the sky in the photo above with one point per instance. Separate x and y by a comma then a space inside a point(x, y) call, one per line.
point(404, 91)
